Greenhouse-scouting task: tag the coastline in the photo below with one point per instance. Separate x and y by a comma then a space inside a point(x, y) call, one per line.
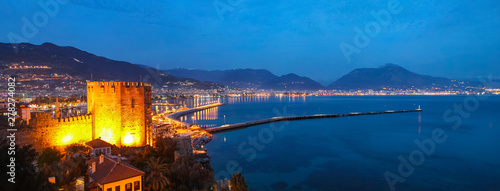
point(175, 116)
point(198, 138)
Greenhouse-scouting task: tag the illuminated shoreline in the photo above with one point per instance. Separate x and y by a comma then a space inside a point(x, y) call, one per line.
point(175, 116)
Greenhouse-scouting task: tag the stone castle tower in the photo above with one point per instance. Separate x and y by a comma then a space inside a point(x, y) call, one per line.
point(121, 112)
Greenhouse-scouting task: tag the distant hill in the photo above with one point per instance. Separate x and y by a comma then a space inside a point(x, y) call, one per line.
point(238, 78)
point(52, 66)
point(389, 76)
point(249, 78)
point(292, 82)
point(82, 65)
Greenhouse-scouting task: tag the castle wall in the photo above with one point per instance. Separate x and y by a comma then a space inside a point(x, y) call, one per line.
point(118, 112)
point(48, 131)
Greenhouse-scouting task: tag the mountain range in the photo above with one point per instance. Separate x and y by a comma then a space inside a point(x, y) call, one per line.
point(82, 65)
point(249, 78)
point(238, 78)
point(389, 76)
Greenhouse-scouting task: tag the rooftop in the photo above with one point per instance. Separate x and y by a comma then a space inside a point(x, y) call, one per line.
point(98, 143)
point(110, 170)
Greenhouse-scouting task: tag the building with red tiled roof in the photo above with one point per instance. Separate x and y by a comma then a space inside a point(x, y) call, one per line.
point(112, 174)
point(98, 147)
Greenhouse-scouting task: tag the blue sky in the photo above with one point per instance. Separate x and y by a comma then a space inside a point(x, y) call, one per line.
point(449, 38)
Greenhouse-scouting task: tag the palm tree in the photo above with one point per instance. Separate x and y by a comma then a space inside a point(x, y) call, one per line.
point(158, 172)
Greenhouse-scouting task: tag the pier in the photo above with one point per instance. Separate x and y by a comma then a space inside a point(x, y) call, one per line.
point(175, 116)
point(235, 126)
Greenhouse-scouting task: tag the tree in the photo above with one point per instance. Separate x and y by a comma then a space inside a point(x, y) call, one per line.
point(78, 153)
point(27, 178)
point(68, 171)
point(190, 174)
point(65, 171)
point(158, 173)
point(76, 148)
point(166, 148)
point(144, 156)
point(181, 169)
point(238, 182)
point(49, 156)
point(47, 170)
point(200, 177)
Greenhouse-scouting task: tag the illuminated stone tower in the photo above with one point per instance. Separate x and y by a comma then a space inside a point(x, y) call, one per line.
point(121, 112)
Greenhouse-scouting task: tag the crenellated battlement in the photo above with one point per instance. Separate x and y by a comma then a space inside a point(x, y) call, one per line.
point(113, 87)
point(123, 84)
point(47, 117)
point(85, 117)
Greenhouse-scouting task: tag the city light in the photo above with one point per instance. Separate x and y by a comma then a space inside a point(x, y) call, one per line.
point(67, 139)
point(128, 139)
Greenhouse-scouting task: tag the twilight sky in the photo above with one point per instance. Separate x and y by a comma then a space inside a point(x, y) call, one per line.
point(449, 38)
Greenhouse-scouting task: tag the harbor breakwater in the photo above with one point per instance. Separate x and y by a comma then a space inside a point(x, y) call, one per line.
point(231, 127)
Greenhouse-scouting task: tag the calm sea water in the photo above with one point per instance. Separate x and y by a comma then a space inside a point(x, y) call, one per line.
point(354, 153)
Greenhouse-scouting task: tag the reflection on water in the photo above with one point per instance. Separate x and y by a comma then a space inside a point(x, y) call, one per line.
point(207, 116)
point(419, 122)
point(214, 117)
point(160, 106)
point(233, 100)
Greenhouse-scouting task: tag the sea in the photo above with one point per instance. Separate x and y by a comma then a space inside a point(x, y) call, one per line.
point(452, 144)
